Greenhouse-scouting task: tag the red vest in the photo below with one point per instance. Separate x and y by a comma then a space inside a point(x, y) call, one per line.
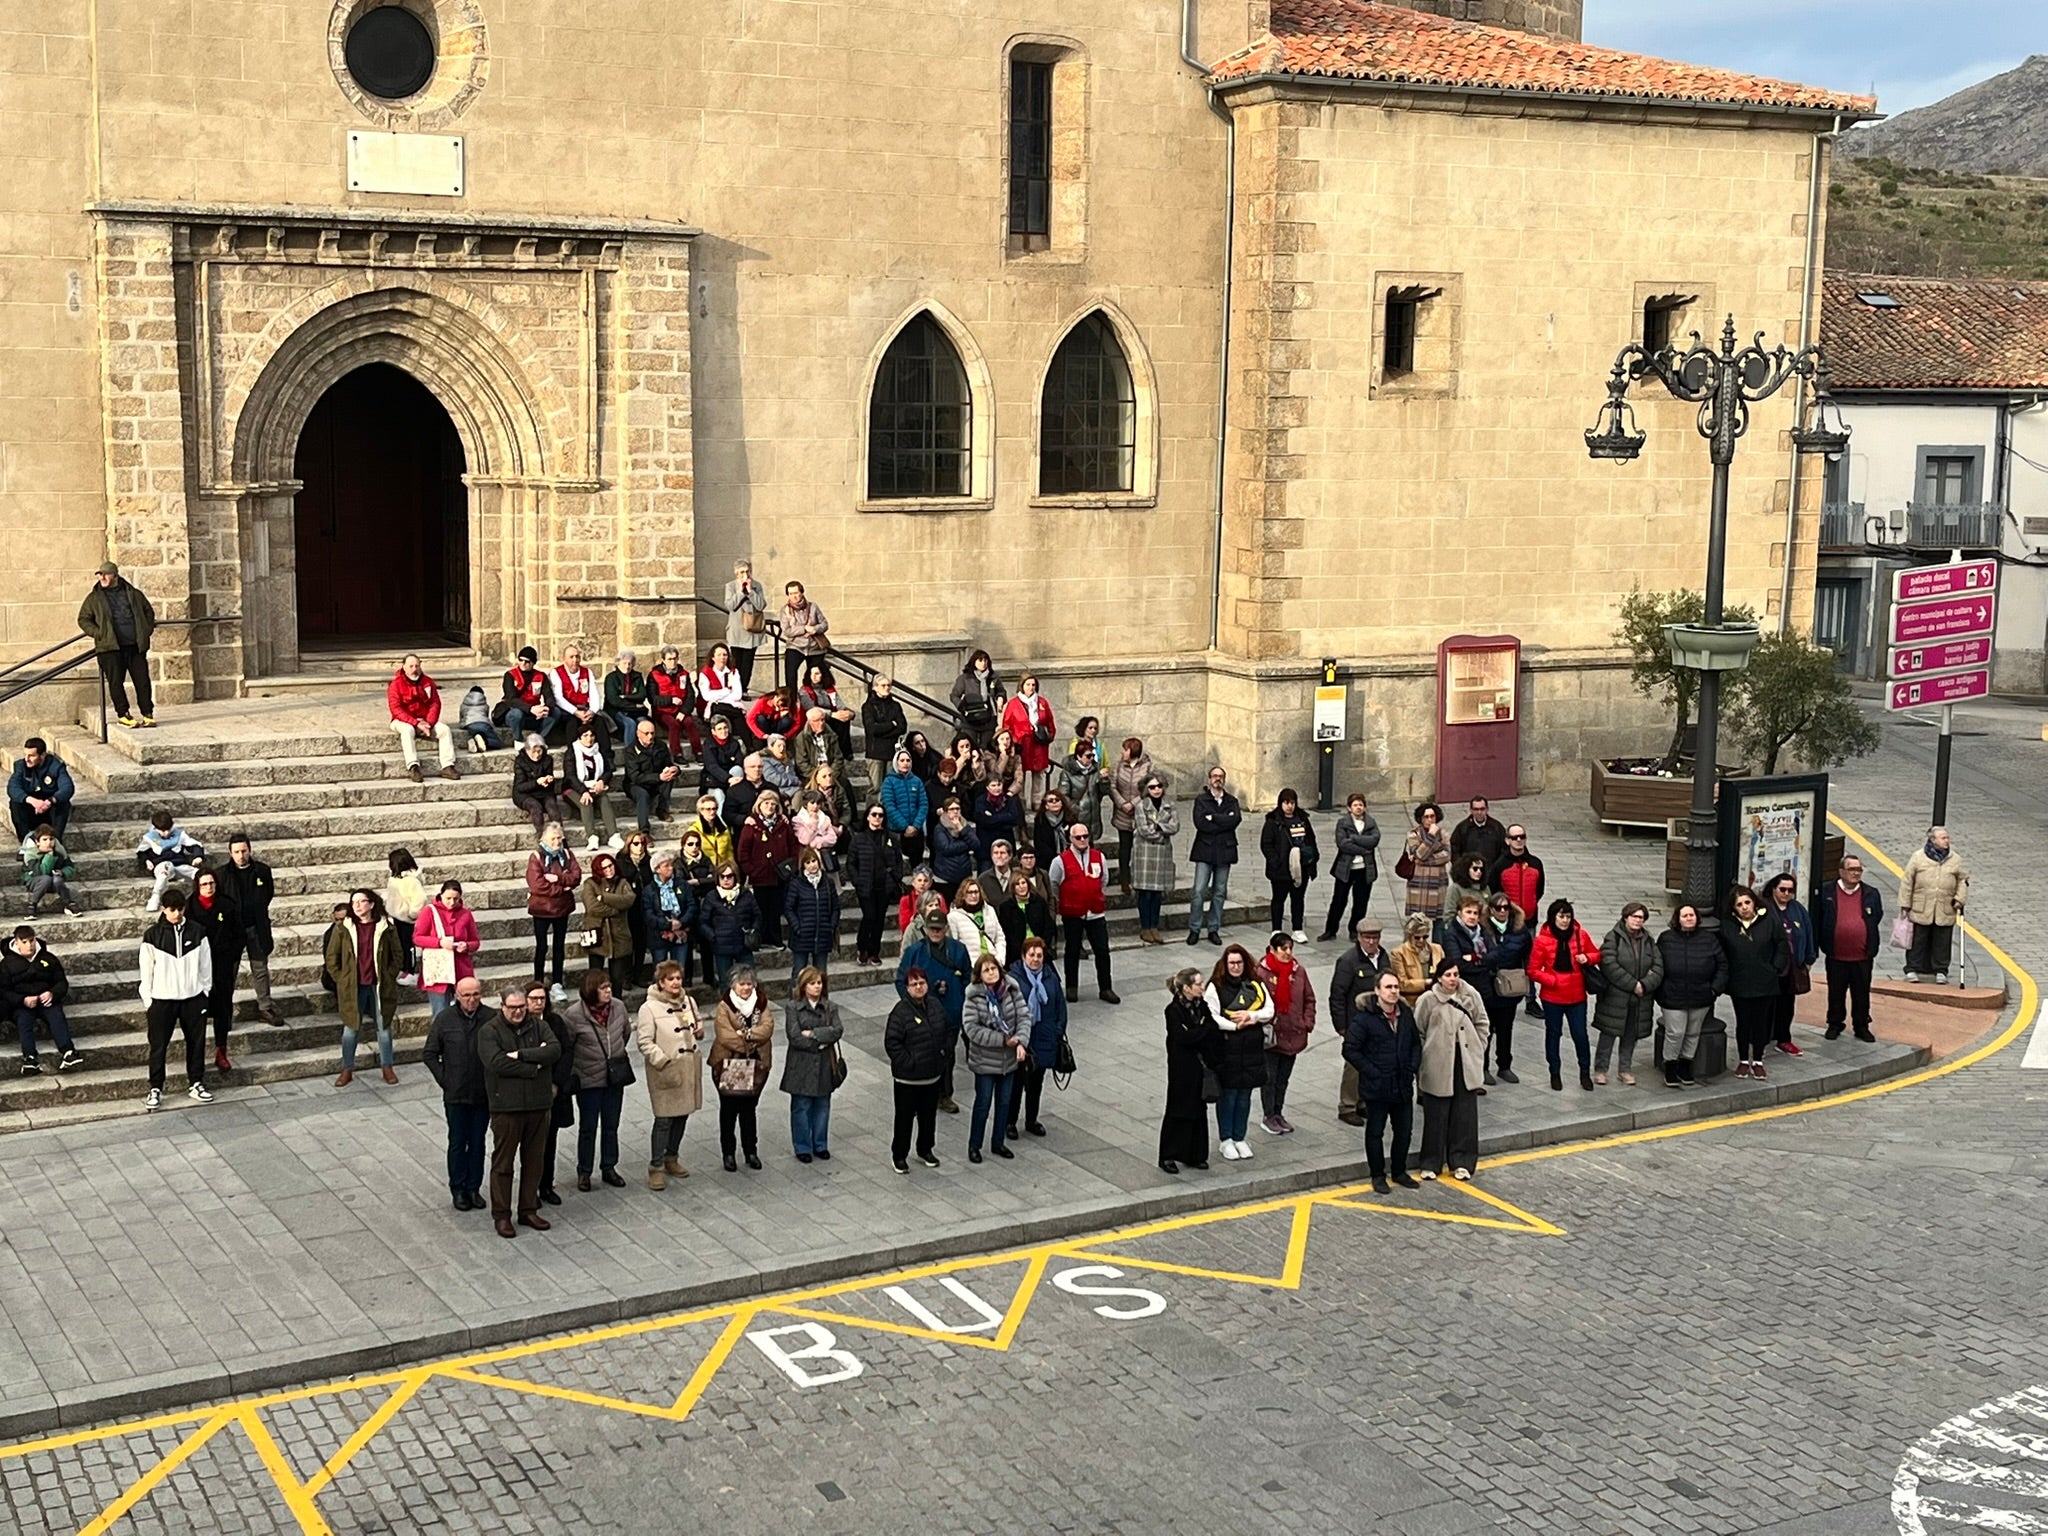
point(575, 686)
point(529, 686)
point(1081, 884)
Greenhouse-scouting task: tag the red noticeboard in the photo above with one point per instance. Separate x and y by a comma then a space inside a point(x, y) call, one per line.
point(1478, 725)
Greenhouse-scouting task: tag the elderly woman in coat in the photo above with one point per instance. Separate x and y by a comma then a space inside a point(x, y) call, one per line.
point(742, 1051)
point(668, 1033)
point(812, 1027)
point(1428, 852)
point(601, 1034)
point(1154, 826)
point(1451, 1019)
point(1634, 968)
point(608, 901)
point(1126, 788)
point(997, 1026)
point(1933, 893)
point(1415, 958)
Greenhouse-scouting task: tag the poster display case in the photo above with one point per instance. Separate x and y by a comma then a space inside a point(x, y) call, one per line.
point(1478, 733)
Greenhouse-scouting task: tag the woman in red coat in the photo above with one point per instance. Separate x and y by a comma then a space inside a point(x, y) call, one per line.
point(766, 855)
point(1027, 720)
point(447, 924)
point(552, 879)
point(1557, 964)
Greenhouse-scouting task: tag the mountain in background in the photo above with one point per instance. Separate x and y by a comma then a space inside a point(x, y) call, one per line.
point(1998, 125)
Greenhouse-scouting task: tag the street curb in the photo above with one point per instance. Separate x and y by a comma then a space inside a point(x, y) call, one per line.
point(174, 1390)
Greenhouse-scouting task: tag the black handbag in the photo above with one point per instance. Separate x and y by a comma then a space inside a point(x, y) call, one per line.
point(1063, 1067)
point(618, 1070)
point(1594, 978)
point(838, 1065)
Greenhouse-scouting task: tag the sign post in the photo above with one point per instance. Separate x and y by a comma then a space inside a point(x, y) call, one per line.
point(1329, 730)
point(1942, 619)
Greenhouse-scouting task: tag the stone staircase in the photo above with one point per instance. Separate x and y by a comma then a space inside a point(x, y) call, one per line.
point(316, 782)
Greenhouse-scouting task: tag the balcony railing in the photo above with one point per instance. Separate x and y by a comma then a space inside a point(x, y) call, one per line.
point(1842, 525)
point(1975, 526)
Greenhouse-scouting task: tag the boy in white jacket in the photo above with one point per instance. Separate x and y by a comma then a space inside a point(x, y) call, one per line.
point(177, 974)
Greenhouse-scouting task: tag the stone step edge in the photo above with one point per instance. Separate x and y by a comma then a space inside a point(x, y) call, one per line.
point(292, 1368)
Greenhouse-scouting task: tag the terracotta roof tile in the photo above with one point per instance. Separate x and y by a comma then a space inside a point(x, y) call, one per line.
point(1361, 40)
point(1937, 333)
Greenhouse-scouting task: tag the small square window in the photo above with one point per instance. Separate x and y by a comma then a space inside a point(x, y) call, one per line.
point(1416, 321)
point(1663, 320)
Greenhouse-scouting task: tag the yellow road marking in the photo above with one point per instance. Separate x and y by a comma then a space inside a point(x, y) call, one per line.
point(737, 1316)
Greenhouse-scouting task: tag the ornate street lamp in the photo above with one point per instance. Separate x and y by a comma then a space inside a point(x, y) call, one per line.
point(1725, 383)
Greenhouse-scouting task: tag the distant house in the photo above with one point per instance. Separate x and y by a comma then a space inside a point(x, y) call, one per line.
point(1944, 385)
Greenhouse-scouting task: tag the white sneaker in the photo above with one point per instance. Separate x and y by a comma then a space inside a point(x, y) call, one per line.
point(155, 1099)
point(1301, 935)
point(558, 993)
point(476, 746)
point(617, 842)
point(408, 978)
point(1228, 1149)
point(1941, 978)
point(1244, 1151)
point(592, 846)
point(1912, 975)
point(199, 1093)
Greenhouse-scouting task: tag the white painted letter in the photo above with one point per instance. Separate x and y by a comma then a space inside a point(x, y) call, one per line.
point(821, 1347)
point(990, 1318)
point(1072, 1282)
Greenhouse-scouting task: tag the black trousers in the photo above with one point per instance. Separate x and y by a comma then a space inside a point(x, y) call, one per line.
point(1781, 1013)
point(1500, 1013)
point(874, 908)
point(1355, 891)
point(737, 1130)
point(1379, 1114)
point(743, 663)
point(1450, 1126)
point(1287, 897)
point(118, 668)
point(1753, 1020)
point(1027, 1092)
point(1849, 989)
point(188, 1014)
point(542, 927)
point(220, 1003)
point(1096, 931)
point(1124, 840)
point(1928, 954)
point(917, 1104)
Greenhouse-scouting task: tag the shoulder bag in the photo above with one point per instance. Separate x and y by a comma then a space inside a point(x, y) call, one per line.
point(1594, 978)
point(838, 1064)
point(1404, 866)
point(752, 620)
point(740, 1074)
point(618, 1070)
point(1513, 982)
point(1063, 1067)
point(437, 966)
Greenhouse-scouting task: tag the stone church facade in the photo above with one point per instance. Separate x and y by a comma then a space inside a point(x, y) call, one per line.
point(1164, 349)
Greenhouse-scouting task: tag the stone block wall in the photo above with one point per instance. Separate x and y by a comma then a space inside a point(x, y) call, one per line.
point(1548, 18)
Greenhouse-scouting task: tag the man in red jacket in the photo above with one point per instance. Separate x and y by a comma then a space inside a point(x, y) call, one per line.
point(1078, 878)
point(415, 705)
point(1518, 875)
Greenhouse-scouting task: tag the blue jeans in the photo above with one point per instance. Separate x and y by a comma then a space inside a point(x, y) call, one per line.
point(659, 950)
point(369, 1009)
point(485, 733)
point(1555, 1017)
point(466, 1126)
point(1149, 904)
point(1212, 888)
point(810, 1122)
point(799, 958)
point(1233, 1114)
point(989, 1088)
point(597, 1109)
point(25, 1025)
point(723, 964)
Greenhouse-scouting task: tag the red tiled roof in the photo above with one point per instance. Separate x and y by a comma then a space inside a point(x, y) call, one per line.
point(1942, 332)
point(1361, 40)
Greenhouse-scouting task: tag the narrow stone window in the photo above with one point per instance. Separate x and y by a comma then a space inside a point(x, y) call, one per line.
point(1030, 155)
point(920, 417)
point(1403, 312)
point(1664, 318)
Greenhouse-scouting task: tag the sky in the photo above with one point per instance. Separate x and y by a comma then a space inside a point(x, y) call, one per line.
point(1913, 52)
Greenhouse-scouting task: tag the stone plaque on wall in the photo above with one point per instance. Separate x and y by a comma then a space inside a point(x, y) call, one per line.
point(416, 164)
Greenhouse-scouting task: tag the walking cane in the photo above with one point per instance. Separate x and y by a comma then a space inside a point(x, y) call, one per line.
point(1962, 959)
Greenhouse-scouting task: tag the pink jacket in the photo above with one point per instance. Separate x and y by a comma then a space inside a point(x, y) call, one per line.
point(436, 926)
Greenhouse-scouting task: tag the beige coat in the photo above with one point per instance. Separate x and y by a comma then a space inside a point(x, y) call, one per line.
point(1451, 1026)
point(1931, 892)
point(668, 1035)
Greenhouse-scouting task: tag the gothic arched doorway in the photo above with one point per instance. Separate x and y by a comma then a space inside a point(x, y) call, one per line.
point(381, 523)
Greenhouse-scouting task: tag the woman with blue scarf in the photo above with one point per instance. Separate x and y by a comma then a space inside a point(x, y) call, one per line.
point(668, 910)
point(1046, 1004)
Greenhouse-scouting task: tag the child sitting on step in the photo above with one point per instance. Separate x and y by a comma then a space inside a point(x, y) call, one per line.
point(167, 852)
point(45, 867)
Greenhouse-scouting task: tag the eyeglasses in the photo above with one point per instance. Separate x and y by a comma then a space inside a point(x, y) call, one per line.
point(1518, 837)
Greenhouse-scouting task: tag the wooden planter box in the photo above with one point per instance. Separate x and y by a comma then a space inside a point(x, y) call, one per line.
point(1637, 799)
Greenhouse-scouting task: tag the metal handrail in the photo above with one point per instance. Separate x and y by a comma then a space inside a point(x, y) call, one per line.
point(29, 661)
point(51, 674)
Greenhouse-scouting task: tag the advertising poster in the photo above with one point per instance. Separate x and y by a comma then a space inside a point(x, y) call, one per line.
point(1770, 827)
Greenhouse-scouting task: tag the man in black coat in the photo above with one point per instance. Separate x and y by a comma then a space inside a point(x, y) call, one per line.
point(1383, 1046)
point(119, 621)
point(39, 791)
point(650, 773)
point(1850, 913)
point(1478, 834)
point(33, 986)
point(519, 1053)
point(450, 1055)
point(248, 886)
point(1215, 815)
point(1351, 985)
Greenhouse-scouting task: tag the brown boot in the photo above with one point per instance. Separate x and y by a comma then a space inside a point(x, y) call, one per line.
point(656, 1179)
point(391, 1074)
point(345, 1079)
point(675, 1170)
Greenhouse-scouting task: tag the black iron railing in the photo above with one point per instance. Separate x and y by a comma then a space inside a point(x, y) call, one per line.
point(13, 685)
point(936, 710)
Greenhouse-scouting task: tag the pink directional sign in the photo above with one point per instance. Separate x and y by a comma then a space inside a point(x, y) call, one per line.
point(1948, 688)
point(1944, 580)
point(1942, 618)
point(1945, 656)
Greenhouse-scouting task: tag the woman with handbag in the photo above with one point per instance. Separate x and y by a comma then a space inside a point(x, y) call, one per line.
point(766, 855)
point(1695, 971)
point(742, 1050)
point(978, 698)
point(445, 935)
point(562, 1108)
point(1499, 969)
point(668, 1033)
point(1191, 1040)
point(811, 912)
point(1634, 968)
point(601, 1037)
point(728, 919)
point(997, 1029)
point(1355, 868)
point(1451, 1020)
point(1045, 1005)
point(608, 899)
point(1791, 913)
point(1758, 957)
point(1425, 861)
point(1028, 720)
point(1288, 842)
point(814, 1066)
point(1563, 963)
point(1294, 1021)
point(1242, 1009)
point(914, 1040)
point(552, 878)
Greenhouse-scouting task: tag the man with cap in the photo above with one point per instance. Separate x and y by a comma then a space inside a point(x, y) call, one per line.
point(524, 706)
point(119, 621)
point(948, 971)
point(1351, 992)
point(518, 1053)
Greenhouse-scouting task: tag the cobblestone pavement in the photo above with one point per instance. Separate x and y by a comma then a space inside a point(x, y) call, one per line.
point(1738, 1328)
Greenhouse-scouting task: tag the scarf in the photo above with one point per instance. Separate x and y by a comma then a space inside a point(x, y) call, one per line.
point(1939, 855)
point(555, 856)
point(589, 764)
point(1034, 992)
point(1475, 939)
point(671, 904)
point(746, 1010)
point(1283, 981)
